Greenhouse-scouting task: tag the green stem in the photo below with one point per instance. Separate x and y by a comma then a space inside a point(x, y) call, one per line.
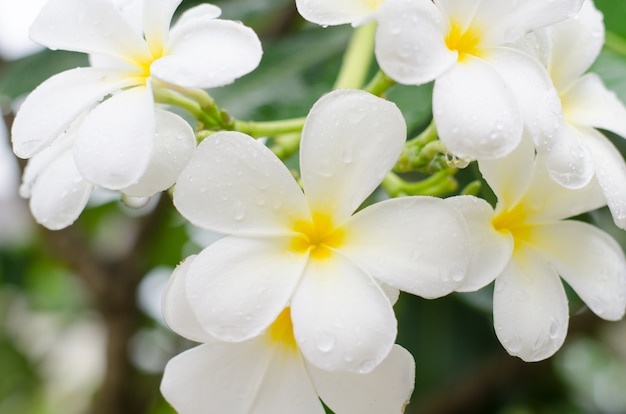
point(357, 58)
point(439, 184)
point(379, 84)
point(190, 105)
point(285, 145)
point(269, 128)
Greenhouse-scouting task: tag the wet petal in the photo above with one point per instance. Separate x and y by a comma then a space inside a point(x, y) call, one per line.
point(589, 103)
point(386, 389)
point(476, 113)
point(157, 15)
point(235, 185)
point(417, 244)
point(89, 26)
point(530, 312)
point(610, 171)
point(459, 12)
point(586, 31)
point(410, 42)
point(59, 193)
point(176, 309)
point(239, 379)
point(591, 262)
point(206, 53)
point(201, 11)
point(174, 144)
point(342, 320)
point(56, 103)
point(508, 20)
point(509, 176)
point(335, 12)
point(491, 250)
point(237, 287)
point(115, 141)
point(350, 141)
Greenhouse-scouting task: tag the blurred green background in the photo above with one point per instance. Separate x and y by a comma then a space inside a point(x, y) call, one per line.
point(79, 308)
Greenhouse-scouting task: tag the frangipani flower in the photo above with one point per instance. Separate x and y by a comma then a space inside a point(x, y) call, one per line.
point(526, 244)
point(307, 251)
point(486, 92)
point(113, 145)
point(268, 374)
point(58, 192)
point(587, 104)
point(335, 12)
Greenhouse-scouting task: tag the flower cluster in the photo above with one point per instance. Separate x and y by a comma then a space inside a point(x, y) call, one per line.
point(295, 303)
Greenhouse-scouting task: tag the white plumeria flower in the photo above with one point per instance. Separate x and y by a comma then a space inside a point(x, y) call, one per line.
point(335, 12)
point(307, 251)
point(587, 104)
point(486, 92)
point(58, 193)
point(268, 374)
point(526, 244)
point(114, 144)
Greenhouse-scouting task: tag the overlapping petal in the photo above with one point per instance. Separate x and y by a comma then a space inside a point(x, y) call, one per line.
point(157, 16)
point(350, 141)
point(176, 309)
point(237, 286)
point(115, 155)
point(59, 193)
point(174, 143)
point(476, 112)
point(417, 244)
point(591, 262)
point(236, 185)
point(589, 103)
point(586, 31)
point(334, 12)
point(238, 379)
point(89, 26)
point(384, 390)
point(410, 42)
point(610, 171)
point(43, 117)
point(206, 52)
point(342, 320)
point(530, 307)
point(491, 250)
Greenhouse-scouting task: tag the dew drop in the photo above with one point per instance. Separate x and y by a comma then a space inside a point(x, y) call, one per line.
point(239, 210)
point(325, 342)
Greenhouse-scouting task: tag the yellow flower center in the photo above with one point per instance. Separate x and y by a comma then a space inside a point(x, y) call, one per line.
point(281, 331)
point(317, 236)
point(514, 222)
point(464, 42)
point(144, 63)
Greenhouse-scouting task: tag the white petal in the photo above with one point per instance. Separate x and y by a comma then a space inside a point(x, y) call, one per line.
point(410, 42)
point(174, 144)
point(568, 162)
point(476, 113)
point(115, 141)
point(342, 320)
point(59, 193)
point(89, 26)
point(507, 20)
point(459, 12)
point(586, 31)
point(335, 12)
point(241, 378)
point(386, 389)
point(591, 262)
point(201, 11)
point(589, 103)
point(420, 245)
point(509, 176)
point(610, 172)
point(350, 141)
point(491, 250)
point(530, 313)
point(56, 103)
point(176, 309)
point(206, 53)
point(237, 287)
point(234, 184)
point(157, 15)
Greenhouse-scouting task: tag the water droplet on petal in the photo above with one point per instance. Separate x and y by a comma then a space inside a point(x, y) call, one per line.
point(325, 342)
